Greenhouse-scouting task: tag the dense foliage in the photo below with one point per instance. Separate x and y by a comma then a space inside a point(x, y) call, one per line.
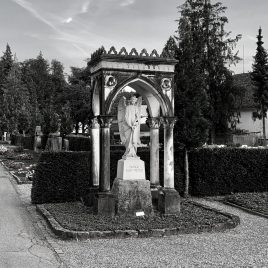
point(205, 95)
point(228, 170)
point(34, 92)
point(61, 177)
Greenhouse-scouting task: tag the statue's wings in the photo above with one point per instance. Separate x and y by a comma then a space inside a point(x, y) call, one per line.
point(139, 102)
point(121, 118)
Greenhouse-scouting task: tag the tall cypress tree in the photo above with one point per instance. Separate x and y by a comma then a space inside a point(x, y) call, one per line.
point(202, 37)
point(260, 79)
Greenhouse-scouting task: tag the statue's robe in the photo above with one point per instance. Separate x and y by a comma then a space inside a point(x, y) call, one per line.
point(132, 136)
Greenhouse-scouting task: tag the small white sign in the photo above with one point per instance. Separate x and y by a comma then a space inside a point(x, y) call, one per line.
point(140, 214)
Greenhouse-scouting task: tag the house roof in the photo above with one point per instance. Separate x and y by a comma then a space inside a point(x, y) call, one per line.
point(244, 81)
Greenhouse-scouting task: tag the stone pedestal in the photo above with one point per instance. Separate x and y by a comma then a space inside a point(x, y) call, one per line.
point(132, 196)
point(131, 168)
point(169, 201)
point(104, 204)
point(37, 143)
point(54, 143)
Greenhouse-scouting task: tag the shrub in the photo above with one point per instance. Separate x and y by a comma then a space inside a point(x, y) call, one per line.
point(61, 177)
point(78, 143)
point(28, 142)
point(228, 170)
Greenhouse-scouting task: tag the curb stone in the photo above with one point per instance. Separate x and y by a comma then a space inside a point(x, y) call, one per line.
point(67, 234)
point(229, 203)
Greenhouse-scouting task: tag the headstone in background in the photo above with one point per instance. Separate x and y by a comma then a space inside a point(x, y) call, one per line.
point(38, 139)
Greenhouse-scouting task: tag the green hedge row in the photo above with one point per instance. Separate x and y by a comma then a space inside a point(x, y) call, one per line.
point(79, 143)
point(224, 171)
point(61, 177)
point(65, 176)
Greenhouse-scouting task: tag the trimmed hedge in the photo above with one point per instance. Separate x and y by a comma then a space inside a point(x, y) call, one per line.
point(61, 177)
point(65, 176)
point(79, 143)
point(224, 171)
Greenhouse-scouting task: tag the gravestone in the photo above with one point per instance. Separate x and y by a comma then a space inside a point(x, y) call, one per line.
point(38, 139)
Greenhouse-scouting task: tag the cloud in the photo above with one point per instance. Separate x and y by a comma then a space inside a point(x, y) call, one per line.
point(85, 7)
point(68, 20)
point(127, 3)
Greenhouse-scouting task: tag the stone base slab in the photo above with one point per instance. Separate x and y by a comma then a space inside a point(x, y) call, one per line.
point(131, 168)
point(104, 204)
point(132, 196)
point(88, 199)
point(169, 201)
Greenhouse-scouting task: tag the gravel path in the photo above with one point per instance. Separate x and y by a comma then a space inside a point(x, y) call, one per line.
point(244, 246)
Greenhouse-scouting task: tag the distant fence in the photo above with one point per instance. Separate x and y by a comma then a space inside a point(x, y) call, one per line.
point(251, 139)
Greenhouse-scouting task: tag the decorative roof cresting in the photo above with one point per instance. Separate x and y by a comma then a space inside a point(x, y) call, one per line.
point(123, 53)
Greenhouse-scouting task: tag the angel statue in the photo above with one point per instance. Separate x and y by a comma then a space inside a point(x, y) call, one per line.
point(129, 124)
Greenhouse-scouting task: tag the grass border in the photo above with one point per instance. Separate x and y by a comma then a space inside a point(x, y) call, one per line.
point(68, 234)
point(251, 211)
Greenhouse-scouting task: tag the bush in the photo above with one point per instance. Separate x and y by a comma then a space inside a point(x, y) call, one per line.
point(78, 143)
point(61, 177)
point(228, 170)
point(28, 142)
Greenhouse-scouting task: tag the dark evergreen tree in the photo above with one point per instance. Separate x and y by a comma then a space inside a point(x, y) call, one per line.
point(16, 106)
point(6, 63)
point(201, 30)
point(260, 79)
point(58, 83)
point(66, 120)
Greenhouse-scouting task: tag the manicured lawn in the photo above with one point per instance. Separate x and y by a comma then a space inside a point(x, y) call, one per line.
point(75, 216)
point(254, 201)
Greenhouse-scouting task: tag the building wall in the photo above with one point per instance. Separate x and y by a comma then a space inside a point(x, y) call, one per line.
point(247, 122)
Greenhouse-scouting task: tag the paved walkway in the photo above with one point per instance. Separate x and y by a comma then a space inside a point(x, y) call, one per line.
point(22, 245)
point(244, 246)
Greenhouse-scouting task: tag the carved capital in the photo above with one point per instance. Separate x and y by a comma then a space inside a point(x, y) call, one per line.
point(168, 121)
point(94, 122)
point(153, 122)
point(105, 121)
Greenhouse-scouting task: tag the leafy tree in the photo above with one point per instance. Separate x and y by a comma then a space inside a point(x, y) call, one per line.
point(37, 78)
point(66, 120)
point(78, 95)
point(260, 79)
point(201, 29)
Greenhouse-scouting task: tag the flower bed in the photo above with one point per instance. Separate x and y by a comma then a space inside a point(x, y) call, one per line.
point(74, 216)
point(21, 164)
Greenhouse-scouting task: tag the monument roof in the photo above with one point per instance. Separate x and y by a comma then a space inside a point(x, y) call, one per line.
point(133, 56)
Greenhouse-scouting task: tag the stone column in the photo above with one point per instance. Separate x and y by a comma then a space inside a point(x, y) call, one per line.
point(95, 150)
point(168, 123)
point(154, 124)
point(169, 198)
point(105, 124)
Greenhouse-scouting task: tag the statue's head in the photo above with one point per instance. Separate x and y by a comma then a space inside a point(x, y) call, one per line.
point(133, 100)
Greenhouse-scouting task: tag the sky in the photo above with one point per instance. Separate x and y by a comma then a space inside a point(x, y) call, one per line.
point(70, 30)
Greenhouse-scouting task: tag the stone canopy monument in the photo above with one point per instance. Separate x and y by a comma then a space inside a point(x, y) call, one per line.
point(152, 77)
